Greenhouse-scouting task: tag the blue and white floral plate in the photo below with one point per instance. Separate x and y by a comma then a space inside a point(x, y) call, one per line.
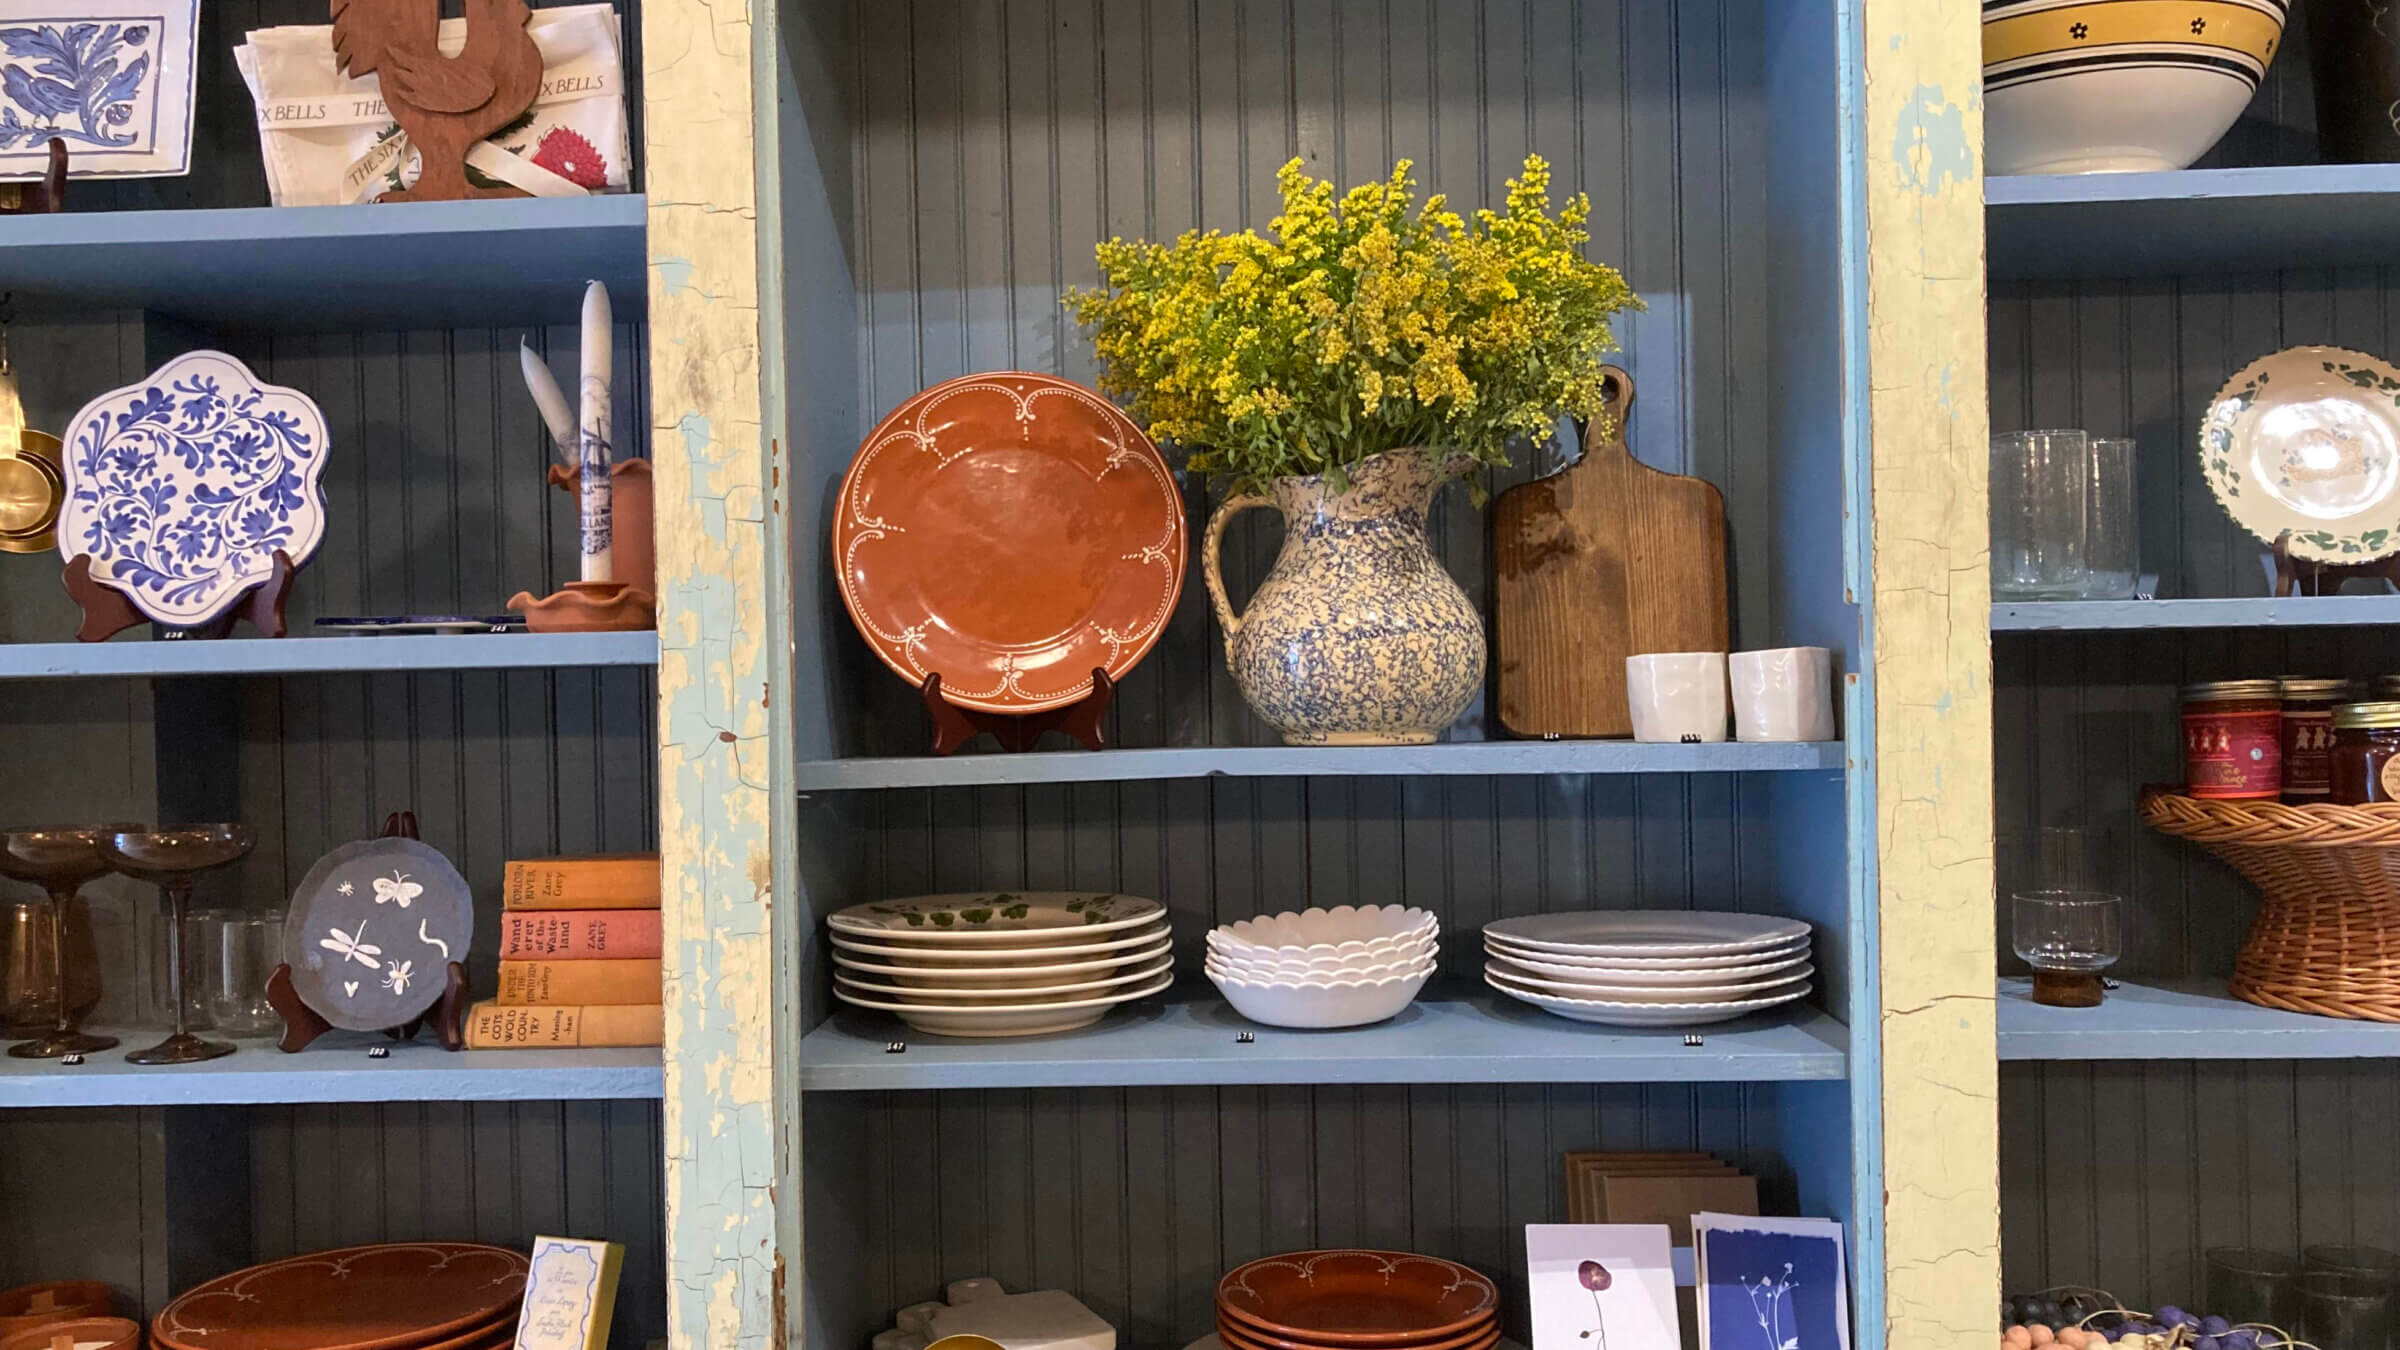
point(182, 487)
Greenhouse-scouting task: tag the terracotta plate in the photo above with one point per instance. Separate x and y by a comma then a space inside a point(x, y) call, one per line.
point(1240, 1335)
point(358, 1298)
point(2307, 442)
point(1009, 532)
point(1357, 1298)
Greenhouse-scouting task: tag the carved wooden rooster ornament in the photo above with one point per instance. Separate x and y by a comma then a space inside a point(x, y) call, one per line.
point(445, 103)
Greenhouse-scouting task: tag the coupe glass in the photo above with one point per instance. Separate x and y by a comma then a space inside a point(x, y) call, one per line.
point(2068, 937)
point(169, 859)
point(59, 859)
point(2039, 500)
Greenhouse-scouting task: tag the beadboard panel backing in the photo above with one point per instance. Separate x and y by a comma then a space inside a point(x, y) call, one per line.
point(1138, 1200)
point(993, 144)
point(94, 1193)
point(332, 1176)
point(227, 167)
point(2122, 1175)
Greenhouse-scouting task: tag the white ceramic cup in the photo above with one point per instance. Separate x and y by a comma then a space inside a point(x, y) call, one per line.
point(1676, 695)
point(1784, 694)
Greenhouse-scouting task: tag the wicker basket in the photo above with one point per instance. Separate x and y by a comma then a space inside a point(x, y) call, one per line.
point(2327, 936)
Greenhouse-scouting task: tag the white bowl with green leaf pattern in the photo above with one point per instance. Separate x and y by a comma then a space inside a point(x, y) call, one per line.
point(998, 919)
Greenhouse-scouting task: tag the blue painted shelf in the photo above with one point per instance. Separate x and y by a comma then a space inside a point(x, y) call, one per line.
point(2192, 221)
point(1453, 758)
point(335, 1069)
point(405, 265)
point(1191, 1036)
point(324, 655)
point(2179, 1019)
point(2314, 611)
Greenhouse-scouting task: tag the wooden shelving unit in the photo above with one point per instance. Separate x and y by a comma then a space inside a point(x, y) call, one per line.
point(302, 269)
point(339, 1069)
point(324, 655)
point(2183, 1019)
point(1191, 1038)
point(2192, 222)
point(2088, 616)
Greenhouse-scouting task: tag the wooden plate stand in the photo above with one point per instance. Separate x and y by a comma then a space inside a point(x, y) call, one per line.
point(954, 726)
point(2303, 576)
point(301, 1024)
point(106, 611)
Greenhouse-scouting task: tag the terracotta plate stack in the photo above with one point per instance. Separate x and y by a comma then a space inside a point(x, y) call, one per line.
point(392, 1296)
point(1354, 1300)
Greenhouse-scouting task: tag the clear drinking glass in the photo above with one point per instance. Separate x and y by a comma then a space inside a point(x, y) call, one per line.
point(2039, 500)
point(2068, 937)
point(2358, 1269)
point(238, 952)
point(2337, 1315)
point(2112, 543)
point(2249, 1285)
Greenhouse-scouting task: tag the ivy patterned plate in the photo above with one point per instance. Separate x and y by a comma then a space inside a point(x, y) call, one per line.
point(2306, 442)
point(1010, 533)
point(997, 918)
point(373, 929)
point(182, 487)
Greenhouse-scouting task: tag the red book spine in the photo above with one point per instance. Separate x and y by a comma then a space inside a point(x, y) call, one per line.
point(580, 934)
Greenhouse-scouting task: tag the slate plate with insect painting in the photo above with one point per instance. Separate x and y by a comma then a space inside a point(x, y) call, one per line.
point(373, 929)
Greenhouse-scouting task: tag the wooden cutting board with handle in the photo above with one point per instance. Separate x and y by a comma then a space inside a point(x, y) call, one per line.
point(1605, 559)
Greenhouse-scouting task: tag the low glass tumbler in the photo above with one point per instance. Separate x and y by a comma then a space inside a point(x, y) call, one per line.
point(2246, 1284)
point(2335, 1315)
point(238, 952)
point(2068, 937)
point(2040, 492)
point(2112, 543)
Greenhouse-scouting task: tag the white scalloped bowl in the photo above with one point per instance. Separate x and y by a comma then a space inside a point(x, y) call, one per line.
point(1319, 1007)
point(1245, 961)
point(1381, 970)
point(1340, 931)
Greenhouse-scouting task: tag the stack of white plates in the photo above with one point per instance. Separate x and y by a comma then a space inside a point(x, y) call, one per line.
point(1001, 964)
point(1649, 968)
point(1341, 967)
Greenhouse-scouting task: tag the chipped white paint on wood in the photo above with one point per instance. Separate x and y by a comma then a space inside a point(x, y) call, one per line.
point(717, 678)
point(1923, 125)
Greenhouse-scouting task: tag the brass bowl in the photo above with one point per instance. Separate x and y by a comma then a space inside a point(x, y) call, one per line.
point(32, 488)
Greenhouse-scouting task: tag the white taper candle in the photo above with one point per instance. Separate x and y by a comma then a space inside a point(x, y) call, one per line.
point(593, 450)
point(552, 402)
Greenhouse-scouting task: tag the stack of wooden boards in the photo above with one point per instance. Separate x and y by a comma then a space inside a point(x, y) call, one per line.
point(1666, 1188)
point(580, 948)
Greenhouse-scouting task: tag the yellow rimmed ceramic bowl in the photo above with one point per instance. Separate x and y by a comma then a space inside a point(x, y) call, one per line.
point(2119, 86)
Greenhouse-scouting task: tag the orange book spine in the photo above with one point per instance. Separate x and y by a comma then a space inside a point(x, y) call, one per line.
point(570, 983)
point(601, 881)
point(580, 934)
point(493, 1026)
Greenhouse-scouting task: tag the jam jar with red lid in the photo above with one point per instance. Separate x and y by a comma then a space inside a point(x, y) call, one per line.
point(2233, 740)
point(2308, 737)
point(2366, 753)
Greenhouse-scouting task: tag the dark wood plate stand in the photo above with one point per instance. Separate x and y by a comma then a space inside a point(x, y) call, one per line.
point(954, 726)
point(2303, 576)
point(301, 1024)
point(106, 611)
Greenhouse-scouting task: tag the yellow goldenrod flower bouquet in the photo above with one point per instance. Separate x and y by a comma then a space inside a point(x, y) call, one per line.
point(1365, 323)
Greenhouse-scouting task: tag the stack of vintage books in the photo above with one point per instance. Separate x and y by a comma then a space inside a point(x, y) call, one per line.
point(580, 944)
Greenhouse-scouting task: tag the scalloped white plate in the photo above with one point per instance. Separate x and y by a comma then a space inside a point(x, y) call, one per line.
point(2307, 442)
point(1673, 971)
